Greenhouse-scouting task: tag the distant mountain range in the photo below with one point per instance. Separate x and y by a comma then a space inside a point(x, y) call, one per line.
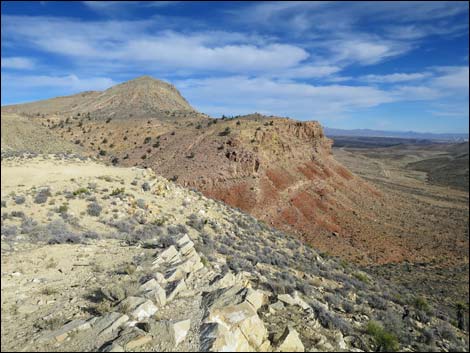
point(397, 134)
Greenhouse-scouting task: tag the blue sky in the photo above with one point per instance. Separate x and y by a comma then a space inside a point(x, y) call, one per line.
point(377, 65)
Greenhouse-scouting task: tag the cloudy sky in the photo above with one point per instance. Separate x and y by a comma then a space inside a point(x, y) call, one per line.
point(388, 66)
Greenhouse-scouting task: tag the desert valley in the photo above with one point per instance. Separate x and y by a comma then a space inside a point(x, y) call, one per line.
point(223, 176)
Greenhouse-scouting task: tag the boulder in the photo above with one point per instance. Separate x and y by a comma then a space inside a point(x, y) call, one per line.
point(113, 294)
point(113, 347)
point(186, 248)
point(184, 239)
point(110, 323)
point(227, 280)
point(174, 288)
point(168, 255)
point(149, 285)
point(157, 295)
point(256, 298)
point(276, 307)
point(144, 310)
point(132, 338)
point(287, 299)
point(171, 332)
point(240, 326)
point(139, 308)
point(217, 338)
point(290, 341)
point(62, 333)
point(180, 330)
point(174, 274)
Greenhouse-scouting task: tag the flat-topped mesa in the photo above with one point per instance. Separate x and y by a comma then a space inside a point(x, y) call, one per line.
point(290, 136)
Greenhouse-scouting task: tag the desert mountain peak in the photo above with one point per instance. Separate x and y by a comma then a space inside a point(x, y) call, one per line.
point(143, 97)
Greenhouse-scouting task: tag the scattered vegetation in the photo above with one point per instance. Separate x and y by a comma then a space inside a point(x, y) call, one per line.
point(385, 341)
point(94, 209)
point(226, 132)
point(42, 196)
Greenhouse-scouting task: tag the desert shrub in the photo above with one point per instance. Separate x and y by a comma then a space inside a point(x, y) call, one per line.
point(118, 191)
point(332, 299)
point(427, 336)
point(89, 234)
point(156, 144)
point(102, 153)
point(421, 304)
point(134, 182)
point(147, 139)
point(69, 195)
point(59, 233)
point(125, 225)
point(423, 316)
point(226, 132)
point(166, 241)
point(20, 199)
point(81, 191)
point(222, 249)
point(94, 209)
point(238, 264)
point(348, 307)
point(18, 214)
point(377, 302)
point(331, 321)
point(446, 331)
point(141, 203)
point(42, 196)
point(115, 161)
point(4, 203)
point(196, 222)
point(9, 231)
point(146, 186)
point(151, 234)
point(385, 341)
point(361, 277)
point(176, 229)
point(28, 225)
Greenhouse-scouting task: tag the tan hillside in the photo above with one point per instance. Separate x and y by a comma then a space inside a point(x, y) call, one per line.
point(20, 134)
point(141, 97)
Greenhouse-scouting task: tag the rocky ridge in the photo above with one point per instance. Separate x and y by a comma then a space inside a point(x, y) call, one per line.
point(197, 275)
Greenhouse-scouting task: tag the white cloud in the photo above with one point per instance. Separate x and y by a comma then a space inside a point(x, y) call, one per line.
point(309, 71)
point(107, 6)
point(365, 51)
point(452, 77)
point(70, 83)
point(17, 62)
point(394, 78)
point(134, 44)
point(241, 95)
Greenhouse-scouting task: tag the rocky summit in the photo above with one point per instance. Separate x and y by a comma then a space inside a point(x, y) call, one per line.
point(112, 259)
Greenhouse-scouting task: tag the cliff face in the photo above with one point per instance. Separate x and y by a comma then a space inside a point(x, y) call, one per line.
point(279, 170)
